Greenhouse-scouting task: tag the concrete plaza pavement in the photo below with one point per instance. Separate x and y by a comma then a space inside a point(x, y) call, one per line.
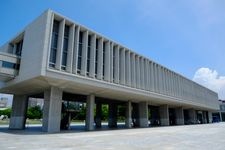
point(199, 137)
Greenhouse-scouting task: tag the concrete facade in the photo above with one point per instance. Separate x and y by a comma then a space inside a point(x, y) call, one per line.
point(70, 58)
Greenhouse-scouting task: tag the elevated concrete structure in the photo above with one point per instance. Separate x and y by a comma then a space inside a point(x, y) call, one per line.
point(56, 56)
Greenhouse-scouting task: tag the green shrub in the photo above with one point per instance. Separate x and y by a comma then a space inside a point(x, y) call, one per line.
point(34, 112)
point(6, 112)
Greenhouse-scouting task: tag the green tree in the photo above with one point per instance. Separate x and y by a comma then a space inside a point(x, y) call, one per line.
point(121, 113)
point(6, 112)
point(81, 114)
point(105, 112)
point(34, 112)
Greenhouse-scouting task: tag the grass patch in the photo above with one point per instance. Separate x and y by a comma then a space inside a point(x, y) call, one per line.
point(4, 122)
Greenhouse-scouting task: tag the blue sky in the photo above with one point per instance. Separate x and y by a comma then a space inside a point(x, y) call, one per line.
point(186, 36)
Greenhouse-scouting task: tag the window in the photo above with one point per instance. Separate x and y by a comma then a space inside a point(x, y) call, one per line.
point(54, 43)
point(88, 54)
point(65, 47)
point(96, 58)
point(19, 46)
point(80, 52)
point(10, 65)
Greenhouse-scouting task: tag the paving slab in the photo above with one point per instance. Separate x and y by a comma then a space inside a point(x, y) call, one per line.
point(188, 137)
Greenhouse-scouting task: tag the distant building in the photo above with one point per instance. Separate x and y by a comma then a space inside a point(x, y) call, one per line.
point(3, 102)
point(35, 102)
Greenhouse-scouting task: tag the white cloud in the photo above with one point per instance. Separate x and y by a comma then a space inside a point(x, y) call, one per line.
point(212, 80)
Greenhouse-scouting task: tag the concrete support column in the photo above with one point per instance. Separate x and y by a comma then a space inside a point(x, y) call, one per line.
point(52, 110)
point(164, 115)
point(76, 46)
point(117, 67)
point(167, 83)
point(156, 82)
point(107, 62)
point(92, 56)
point(111, 62)
point(112, 115)
point(18, 114)
point(128, 70)
point(180, 87)
point(138, 81)
point(159, 79)
point(192, 116)
point(60, 45)
point(147, 75)
point(152, 81)
point(210, 116)
point(204, 117)
point(163, 81)
point(98, 118)
point(175, 85)
point(122, 66)
point(89, 121)
point(133, 72)
point(171, 84)
point(221, 119)
point(179, 113)
point(142, 74)
point(100, 59)
point(70, 49)
point(128, 115)
point(143, 114)
point(84, 53)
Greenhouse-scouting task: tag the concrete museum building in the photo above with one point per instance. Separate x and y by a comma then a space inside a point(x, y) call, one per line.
point(56, 59)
